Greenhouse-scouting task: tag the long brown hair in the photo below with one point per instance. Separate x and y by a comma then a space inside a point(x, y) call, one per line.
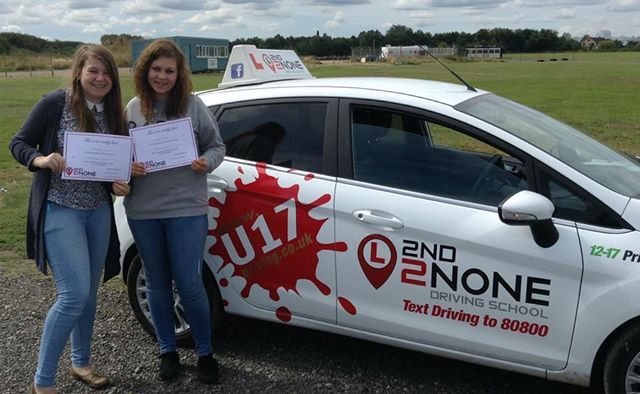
point(178, 98)
point(112, 101)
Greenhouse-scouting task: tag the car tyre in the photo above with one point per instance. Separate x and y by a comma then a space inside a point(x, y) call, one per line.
point(621, 373)
point(136, 289)
point(215, 302)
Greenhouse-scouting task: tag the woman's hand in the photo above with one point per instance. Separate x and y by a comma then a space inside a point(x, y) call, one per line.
point(137, 169)
point(200, 164)
point(55, 162)
point(120, 188)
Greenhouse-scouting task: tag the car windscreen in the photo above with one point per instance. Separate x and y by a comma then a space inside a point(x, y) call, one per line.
point(581, 152)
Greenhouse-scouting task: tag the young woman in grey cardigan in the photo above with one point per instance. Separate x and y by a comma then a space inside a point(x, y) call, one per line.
point(70, 224)
point(167, 210)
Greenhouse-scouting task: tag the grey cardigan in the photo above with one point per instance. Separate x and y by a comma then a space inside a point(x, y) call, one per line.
point(38, 137)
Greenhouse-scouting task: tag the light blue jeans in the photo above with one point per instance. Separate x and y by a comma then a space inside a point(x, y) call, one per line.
point(76, 242)
point(172, 250)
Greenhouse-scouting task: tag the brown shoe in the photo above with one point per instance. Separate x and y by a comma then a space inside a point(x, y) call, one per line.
point(42, 390)
point(93, 379)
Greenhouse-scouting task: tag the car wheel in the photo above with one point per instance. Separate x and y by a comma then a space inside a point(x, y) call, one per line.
point(622, 366)
point(215, 302)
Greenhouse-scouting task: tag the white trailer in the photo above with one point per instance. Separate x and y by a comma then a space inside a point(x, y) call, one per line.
point(402, 51)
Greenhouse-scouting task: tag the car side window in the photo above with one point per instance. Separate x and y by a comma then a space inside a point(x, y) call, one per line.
point(408, 152)
point(285, 134)
point(574, 204)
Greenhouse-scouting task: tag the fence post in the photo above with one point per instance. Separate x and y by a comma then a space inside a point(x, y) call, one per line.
point(4, 61)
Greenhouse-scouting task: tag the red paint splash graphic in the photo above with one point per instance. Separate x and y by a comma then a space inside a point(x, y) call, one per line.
point(269, 236)
point(284, 314)
point(347, 306)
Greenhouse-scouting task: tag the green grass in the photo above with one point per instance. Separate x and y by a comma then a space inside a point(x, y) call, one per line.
point(18, 96)
point(595, 92)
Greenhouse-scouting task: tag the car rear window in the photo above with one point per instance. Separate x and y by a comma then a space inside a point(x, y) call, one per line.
point(285, 134)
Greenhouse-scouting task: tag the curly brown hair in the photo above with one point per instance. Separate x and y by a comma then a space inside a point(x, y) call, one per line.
point(112, 101)
point(178, 99)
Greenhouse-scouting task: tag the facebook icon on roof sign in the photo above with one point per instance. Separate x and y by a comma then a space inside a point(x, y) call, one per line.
point(237, 71)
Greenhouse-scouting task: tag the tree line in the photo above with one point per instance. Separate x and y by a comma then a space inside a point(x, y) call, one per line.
point(20, 41)
point(118, 39)
point(513, 41)
point(15, 41)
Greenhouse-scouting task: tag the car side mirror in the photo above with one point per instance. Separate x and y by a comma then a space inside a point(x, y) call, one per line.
point(527, 208)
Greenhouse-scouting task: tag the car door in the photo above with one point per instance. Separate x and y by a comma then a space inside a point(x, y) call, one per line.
point(428, 259)
point(272, 204)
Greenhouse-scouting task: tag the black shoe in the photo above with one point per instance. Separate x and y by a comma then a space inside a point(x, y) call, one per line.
point(169, 365)
point(207, 369)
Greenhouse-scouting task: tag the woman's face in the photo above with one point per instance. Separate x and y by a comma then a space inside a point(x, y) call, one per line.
point(95, 80)
point(163, 74)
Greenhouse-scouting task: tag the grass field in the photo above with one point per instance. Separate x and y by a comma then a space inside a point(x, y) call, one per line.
point(594, 92)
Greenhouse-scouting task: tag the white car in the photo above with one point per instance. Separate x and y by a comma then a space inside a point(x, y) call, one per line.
point(419, 214)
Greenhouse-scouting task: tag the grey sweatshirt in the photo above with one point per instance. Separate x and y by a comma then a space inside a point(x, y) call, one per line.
point(176, 192)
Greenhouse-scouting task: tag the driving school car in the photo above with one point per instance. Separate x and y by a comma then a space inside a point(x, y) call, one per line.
point(426, 215)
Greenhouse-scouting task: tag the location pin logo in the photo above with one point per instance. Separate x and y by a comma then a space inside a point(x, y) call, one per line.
point(68, 170)
point(377, 257)
point(269, 62)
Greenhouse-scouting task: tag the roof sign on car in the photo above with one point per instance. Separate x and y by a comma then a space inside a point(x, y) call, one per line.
point(250, 65)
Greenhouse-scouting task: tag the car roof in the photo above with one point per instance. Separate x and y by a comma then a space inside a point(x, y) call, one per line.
point(443, 92)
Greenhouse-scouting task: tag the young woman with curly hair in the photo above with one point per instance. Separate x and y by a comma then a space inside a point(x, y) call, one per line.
point(167, 210)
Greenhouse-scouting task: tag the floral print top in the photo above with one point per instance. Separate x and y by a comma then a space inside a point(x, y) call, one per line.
point(73, 193)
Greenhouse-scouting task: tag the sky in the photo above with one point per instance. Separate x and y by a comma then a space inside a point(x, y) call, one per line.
point(88, 20)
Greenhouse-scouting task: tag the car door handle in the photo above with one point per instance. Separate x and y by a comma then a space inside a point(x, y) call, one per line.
point(378, 218)
point(217, 185)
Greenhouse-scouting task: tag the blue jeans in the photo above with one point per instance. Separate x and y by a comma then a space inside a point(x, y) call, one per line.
point(172, 250)
point(76, 243)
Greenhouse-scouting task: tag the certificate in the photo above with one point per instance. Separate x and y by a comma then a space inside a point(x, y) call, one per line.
point(164, 145)
point(97, 157)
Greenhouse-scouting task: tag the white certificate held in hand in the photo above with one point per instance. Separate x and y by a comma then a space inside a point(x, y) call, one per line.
point(97, 157)
point(164, 145)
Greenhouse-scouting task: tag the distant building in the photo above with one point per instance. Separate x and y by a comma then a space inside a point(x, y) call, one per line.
point(402, 51)
point(484, 53)
point(202, 54)
point(591, 43)
point(413, 51)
